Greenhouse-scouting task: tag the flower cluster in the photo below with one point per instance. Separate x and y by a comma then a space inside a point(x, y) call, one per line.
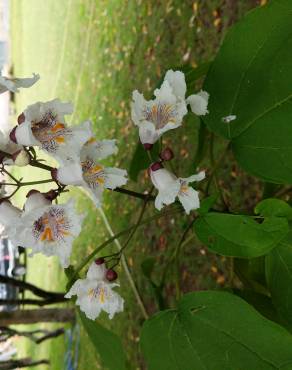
point(50, 228)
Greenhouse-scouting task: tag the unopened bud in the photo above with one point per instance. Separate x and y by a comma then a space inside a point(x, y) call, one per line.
point(21, 118)
point(99, 261)
point(148, 146)
point(31, 192)
point(111, 275)
point(156, 166)
point(54, 174)
point(21, 158)
point(166, 154)
point(12, 135)
point(51, 195)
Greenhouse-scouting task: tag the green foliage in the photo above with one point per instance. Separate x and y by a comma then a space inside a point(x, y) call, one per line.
point(214, 330)
point(274, 207)
point(107, 344)
point(240, 236)
point(279, 278)
point(251, 78)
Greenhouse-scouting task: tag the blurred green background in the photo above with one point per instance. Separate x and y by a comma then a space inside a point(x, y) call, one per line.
point(95, 53)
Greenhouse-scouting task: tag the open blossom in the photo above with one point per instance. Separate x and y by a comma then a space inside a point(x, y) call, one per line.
point(16, 155)
point(96, 294)
point(13, 84)
point(88, 173)
point(169, 187)
point(166, 111)
point(43, 227)
point(43, 125)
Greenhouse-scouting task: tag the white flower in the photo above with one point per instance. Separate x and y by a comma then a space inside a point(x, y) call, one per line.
point(230, 118)
point(96, 294)
point(44, 126)
point(46, 228)
point(199, 103)
point(169, 187)
point(13, 84)
point(9, 214)
point(16, 154)
point(89, 173)
point(165, 112)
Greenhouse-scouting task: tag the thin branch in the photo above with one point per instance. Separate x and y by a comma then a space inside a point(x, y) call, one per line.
point(27, 286)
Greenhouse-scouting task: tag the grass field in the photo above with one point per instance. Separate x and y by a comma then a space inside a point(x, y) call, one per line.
point(94, 53)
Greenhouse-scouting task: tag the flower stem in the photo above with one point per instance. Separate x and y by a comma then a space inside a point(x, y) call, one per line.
point(134, 194)
point(125, 267)
point(110, 240)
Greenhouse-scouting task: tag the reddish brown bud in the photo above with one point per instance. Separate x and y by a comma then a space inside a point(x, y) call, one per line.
point(21, 118)
point(31, 192)
point(54, 174)
point(156, 166)
point(111, 275)
point(166, 154)
point(148, 146)
point(12, 135)
point(99, 261)
point(51, 195)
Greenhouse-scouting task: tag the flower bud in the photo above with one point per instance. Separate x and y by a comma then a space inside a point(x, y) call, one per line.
point(54, 174)
point(21, 118)
point(21, 158)
point(166, 154)
point(148, 146)
point(156, 166)
point(31, 192)
point(99, 261)
point(111, 275)
point(12, 135)
point(51, 195)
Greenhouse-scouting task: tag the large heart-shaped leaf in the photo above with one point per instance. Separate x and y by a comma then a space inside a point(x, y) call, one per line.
point(240, 236)
point(251, 78)
point(215, 331)
point(107, 344)
point(279, 278)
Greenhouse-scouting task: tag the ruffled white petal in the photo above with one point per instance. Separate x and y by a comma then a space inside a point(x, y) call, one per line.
point(166, 197)
point(34, 201)
point(147, 133)
point(176, 80)
point(15, 83)
point(9, 214)
point(99, 149)
point(70, 174)
point(115, 177)
point(96, 272)
point(198, 177)
point(189, 199)
point(199, 103)
point(24, 135)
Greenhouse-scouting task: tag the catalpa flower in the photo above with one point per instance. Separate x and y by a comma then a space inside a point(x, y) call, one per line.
point(166, 111)
point(169, 187)
point(45, 228)
point(43, 125)
point(89, 173)
point(13, 84)
point(96, 294)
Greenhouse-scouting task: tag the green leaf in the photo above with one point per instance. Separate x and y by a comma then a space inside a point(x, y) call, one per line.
point(251, 78)
point(240, 236)
point(279, 278)
point(215, 331)
point(274, 207)
point(106, 343)
point(206, 204)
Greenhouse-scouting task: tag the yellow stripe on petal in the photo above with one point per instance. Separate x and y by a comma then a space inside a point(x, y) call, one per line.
point(60, 139)
point(57, 127)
